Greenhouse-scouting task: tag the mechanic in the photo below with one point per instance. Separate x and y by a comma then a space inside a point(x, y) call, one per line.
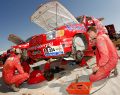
point(106, 54)
point(13, 74)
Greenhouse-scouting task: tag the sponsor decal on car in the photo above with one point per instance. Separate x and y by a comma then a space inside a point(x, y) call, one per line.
point(53, 50)
point(40, 46)
point(60, 33)
point(75, 27)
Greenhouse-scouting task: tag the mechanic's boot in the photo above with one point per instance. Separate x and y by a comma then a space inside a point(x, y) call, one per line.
point(29, 94)
point(14, 88)
point(115, 72)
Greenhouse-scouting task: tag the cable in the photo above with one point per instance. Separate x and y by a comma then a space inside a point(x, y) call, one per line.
point(84, 68)
point(100, 87)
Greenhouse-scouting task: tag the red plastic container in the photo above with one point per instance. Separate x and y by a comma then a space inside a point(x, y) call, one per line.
point(79, 88)
point(36, 76)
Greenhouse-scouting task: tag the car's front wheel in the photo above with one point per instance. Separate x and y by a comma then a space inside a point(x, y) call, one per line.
point(79, 45)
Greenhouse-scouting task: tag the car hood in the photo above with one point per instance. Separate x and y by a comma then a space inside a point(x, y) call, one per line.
point(52, 15)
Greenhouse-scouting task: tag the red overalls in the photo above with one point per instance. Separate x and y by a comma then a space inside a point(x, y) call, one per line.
point(106, 57)
point(9, 74)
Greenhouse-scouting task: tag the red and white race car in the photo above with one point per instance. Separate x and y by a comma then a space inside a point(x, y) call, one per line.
point(65, 36)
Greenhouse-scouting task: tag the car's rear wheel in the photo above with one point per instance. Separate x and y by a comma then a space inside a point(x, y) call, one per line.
point(79, 45)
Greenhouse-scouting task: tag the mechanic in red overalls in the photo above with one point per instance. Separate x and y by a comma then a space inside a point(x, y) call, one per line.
point(106, 54)
point(13, 73)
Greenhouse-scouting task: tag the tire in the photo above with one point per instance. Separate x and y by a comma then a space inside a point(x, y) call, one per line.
point(79, 45)
point(115, 72)
point(48, 75)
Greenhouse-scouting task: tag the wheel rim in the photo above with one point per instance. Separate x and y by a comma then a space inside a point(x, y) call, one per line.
point(79, 44)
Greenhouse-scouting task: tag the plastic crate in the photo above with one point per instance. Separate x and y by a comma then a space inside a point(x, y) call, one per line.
point(79, 88)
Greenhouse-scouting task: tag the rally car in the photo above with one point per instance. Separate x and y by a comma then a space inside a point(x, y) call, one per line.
point(66, 37)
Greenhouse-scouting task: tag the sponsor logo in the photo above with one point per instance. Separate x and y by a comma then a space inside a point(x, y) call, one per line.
point(53, 50)
point(75, 27)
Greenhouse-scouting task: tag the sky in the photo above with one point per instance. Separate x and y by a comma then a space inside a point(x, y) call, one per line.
point(15, 16)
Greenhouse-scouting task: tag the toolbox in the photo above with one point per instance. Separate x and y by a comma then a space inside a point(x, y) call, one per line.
point(79, 88)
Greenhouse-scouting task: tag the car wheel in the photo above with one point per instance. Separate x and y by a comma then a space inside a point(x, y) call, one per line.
point(79, 45)
point(48, 75)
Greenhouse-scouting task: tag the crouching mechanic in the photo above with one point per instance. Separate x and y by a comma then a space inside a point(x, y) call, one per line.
point(106, 54)
point(13, 73)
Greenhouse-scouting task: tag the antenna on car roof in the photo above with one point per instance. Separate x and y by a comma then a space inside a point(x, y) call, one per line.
point(56, 15)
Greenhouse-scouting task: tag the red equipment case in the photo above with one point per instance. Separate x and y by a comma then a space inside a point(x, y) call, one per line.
point(80, 88)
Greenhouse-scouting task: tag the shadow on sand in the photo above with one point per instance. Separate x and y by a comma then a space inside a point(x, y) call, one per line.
point(3, 87)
